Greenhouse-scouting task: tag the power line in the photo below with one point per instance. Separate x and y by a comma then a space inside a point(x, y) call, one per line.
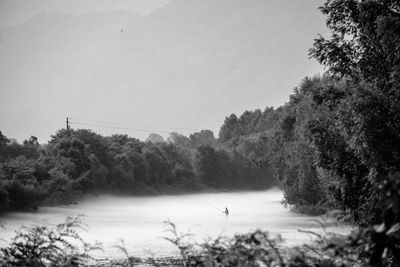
point(115, 127)
point(118, 124)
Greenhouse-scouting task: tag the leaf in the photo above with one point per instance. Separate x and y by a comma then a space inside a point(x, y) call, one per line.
point(380, 228)
point(393, 230)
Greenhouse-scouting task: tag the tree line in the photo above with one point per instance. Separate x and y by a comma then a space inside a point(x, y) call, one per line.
point(76, 162)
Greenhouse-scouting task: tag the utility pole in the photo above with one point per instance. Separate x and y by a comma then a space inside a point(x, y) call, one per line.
point(67, 121)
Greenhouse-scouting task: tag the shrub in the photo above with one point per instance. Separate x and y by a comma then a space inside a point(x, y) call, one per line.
point(376, 246)
point(40, 246)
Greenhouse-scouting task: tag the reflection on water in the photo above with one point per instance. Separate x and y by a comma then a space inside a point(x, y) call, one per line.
point(139, 221)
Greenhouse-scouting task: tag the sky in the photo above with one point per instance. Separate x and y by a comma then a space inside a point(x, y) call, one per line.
point(144, 66)
point(16, 11)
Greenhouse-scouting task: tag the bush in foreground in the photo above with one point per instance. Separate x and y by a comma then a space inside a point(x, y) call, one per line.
point(56, 246)
point(62, 246)
point(378, 246)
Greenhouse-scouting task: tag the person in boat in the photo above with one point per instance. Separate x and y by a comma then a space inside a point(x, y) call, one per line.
point(226, 211)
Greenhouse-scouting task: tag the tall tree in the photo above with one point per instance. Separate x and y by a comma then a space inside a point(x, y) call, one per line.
point(364, 49)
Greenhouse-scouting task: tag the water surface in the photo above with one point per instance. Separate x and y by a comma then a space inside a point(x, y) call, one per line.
point(139, 221)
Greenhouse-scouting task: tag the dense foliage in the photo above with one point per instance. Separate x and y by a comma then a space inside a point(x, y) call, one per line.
point(61, 245)
point(43, 245)
point(363, 247)
point(76, 162)
point(360, 248)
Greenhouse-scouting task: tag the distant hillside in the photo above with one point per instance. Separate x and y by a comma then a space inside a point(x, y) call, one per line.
point(189, 64)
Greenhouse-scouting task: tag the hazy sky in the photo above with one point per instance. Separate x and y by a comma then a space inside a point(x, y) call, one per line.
point(17, 11)
point(183, 65)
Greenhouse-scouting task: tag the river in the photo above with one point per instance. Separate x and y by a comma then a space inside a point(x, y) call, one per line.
point(139, 221)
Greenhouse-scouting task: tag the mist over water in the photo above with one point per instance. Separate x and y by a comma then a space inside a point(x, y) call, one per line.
point(139, 221)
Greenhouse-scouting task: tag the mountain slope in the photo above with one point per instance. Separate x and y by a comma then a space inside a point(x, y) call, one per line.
point(189, 64)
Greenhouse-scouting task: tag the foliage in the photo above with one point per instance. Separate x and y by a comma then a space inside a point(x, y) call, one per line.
point(363, 247)
point(364, 40)
point(364, 49)
point(77, 162)
point(155, 138)
point(41, 245)
point(61, 245)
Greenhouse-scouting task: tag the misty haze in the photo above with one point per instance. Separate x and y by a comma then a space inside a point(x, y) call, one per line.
point(140, 220)
point(199, 133)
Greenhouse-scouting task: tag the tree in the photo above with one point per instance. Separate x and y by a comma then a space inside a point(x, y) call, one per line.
point(155, 138)
point(202, 138)
point(363, 50)
point(158, 166)
point(179, 140)
point(32, 141)
point(4, 199)
point(212, 166)
point(227, 129)
point(3, 140)
point(77, 152)
point(24, 191)
point(365, 39)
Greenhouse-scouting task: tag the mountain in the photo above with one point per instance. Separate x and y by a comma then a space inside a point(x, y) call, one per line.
point(186, 65)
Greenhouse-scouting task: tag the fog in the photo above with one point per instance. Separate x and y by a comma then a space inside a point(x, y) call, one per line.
point(139, 221)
